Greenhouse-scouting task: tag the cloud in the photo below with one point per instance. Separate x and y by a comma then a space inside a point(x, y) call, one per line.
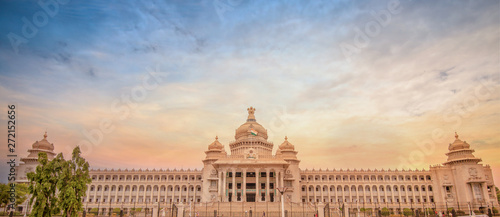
point(435, 65)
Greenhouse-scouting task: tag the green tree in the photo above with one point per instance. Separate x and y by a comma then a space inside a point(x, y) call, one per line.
point(498, 193)
point(407, 212)
point(385, 211)
point(4, 196)
point(72, 184)
point(21, 193)
point(43, 185)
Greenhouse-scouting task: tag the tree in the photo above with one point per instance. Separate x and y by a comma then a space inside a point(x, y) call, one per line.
point(4, 195)
point(43, 185)
point(58, 185)
point(498, 193)
point(72, 184)
point(385, 211)
point(21, 193)
point(407, 212)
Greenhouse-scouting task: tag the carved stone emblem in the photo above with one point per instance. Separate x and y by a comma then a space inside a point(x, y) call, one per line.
point(251, 154)
point(473, 172)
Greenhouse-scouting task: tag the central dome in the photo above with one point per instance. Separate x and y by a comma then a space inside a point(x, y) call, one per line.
point(251, 128)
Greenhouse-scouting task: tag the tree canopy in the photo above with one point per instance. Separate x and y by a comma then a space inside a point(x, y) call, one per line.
point(58, 185)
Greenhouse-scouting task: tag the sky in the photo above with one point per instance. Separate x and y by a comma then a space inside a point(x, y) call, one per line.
point(352, 84)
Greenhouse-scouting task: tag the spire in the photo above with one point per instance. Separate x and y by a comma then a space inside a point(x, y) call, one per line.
point(286, 138)
point(251, 116)
point(216, 138)
point(456, 135)
point(45, 135)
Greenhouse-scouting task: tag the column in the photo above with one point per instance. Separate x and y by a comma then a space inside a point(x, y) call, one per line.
point(166, 193)
point(152, 193)
point(314, 193)
point(102, 193)
point(336, 196)
point(115, 194)
point(276, 185)
point(329, 194)
point(95, 194)
point(257, 187)
point(180, 193)
point(234, 185)
point(307, 193)
point(282, 178)
point(224, 184)
point(173, 193)
point(194, 193)
point(244, 187)
point(130, 194)
point(267, 185)
point(144, 194)
point(219, 186)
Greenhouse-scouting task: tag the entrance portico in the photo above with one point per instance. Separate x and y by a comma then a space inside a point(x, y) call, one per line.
point(248, 180)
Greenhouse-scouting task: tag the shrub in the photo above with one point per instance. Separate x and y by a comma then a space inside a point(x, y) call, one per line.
point(407, 212)
point(385, 211)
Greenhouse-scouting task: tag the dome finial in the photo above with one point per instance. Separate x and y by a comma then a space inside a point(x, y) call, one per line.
point(216, 137)
point(286, 138)
point(45, 135)
point(456, 135)
point(251, 116)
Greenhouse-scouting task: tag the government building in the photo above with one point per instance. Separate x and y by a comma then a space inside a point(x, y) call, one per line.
point(251, 175)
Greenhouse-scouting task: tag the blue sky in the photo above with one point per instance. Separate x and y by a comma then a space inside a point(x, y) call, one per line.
point(346, 81)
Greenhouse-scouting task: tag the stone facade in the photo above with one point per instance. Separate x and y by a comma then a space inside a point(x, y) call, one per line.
point(252, 173)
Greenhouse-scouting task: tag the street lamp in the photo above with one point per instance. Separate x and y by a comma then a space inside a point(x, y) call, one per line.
point(281, 191)
point(446, 202)
point(400, 211)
